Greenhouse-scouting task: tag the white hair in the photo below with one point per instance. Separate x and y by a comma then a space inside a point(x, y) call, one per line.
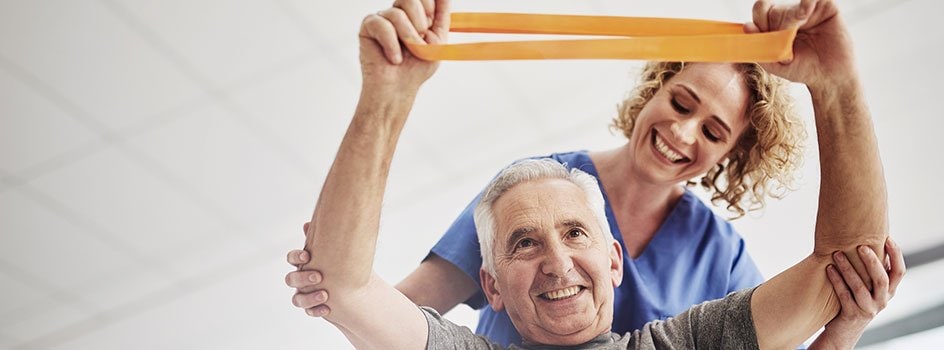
point(524, 171)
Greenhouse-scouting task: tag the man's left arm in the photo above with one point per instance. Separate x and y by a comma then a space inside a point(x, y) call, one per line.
point(852, 209)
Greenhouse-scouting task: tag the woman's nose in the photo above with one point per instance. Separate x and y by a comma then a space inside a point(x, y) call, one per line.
point(685, 131)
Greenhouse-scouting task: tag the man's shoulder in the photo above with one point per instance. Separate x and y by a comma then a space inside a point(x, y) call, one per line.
point(444, 334)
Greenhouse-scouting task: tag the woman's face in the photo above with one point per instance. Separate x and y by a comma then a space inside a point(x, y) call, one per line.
point(690, 124)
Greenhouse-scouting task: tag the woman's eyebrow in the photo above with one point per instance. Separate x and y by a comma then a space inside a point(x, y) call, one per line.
point(690, 92)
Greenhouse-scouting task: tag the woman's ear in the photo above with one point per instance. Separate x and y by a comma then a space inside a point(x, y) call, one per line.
point(491, 290)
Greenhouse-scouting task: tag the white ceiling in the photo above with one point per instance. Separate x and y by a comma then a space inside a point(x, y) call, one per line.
point(158, 158)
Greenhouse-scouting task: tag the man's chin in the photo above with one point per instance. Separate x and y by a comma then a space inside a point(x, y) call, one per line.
point(568, 332)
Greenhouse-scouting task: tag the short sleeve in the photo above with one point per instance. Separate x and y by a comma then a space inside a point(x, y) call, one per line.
point(460, 246)
point(444, 334)
point(717, 324)
point(744, 272)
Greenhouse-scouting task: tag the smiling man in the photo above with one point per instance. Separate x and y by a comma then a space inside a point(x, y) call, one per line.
point(547, 259)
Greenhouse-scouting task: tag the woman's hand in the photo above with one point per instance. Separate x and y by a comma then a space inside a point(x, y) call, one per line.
point(860, 302)
point(313, 302)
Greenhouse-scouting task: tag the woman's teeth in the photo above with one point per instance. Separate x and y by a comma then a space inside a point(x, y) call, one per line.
point(666, 151)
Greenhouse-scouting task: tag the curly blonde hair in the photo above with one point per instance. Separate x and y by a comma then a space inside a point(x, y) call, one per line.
point(764, 158)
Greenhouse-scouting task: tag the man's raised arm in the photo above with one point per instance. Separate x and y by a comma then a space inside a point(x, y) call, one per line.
point(371, 313)
point(852, 201)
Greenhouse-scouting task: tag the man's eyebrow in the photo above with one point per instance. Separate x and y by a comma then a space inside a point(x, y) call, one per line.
point(517, 234)
point(571, 223)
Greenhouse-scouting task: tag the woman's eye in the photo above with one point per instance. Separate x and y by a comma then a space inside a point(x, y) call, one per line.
point(678, 106)
point(710, 135)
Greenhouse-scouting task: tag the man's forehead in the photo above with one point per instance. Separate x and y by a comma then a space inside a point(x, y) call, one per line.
point(542, 204)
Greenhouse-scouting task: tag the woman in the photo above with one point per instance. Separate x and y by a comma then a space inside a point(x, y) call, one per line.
point(729, 126)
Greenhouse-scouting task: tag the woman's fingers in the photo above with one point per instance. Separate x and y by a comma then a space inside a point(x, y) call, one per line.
point(896, 270)
point(859, 290)
point(847, 303)
point(876, 270)
point(303, 279)
point(298, 257)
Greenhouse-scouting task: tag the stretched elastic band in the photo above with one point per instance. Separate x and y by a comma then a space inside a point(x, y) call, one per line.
point(641, 38)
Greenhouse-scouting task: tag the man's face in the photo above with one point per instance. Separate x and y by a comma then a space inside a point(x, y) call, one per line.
point(555, 270)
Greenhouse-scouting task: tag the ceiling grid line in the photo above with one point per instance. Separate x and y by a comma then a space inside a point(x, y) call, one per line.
point(89, 226)
point(154, 300)
point(109, 137)
point(295, 161)
point(302, 26)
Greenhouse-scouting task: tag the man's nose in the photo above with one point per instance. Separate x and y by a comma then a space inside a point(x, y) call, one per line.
point(685, 131)
point(557, 262)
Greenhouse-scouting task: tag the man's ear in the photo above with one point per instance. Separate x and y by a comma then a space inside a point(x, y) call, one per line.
point(616, 263)
point(490, 288)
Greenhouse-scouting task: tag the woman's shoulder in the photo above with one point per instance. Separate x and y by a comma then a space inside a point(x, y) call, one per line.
point(699, 217)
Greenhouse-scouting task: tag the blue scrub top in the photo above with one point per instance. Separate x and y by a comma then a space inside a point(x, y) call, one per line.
point(695, 256)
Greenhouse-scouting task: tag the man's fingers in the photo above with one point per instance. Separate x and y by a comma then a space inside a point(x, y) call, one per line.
point(382, 32)
point(416, 14)
point(761, 13)
point(298, 257)
point(441, 21)
point(405, 29)
point(302, 279)
point(310, 300)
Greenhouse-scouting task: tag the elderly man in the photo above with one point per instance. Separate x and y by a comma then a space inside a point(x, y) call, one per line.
point(548, 261)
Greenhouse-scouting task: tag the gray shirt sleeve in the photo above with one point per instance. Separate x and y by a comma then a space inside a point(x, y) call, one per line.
point(444, 334)
point(717, 324)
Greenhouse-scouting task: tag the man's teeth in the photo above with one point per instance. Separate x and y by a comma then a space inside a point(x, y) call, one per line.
point(563, 293)
point(666, 151)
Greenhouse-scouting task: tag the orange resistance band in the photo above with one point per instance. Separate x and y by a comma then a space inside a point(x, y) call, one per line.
point(657, 39)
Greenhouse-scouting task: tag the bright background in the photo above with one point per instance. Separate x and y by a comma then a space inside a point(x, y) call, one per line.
point(158, 158)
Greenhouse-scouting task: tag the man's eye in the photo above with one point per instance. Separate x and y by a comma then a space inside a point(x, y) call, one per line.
point(525, 243)
point(710, 135)
point(678, 106)
point(575, 233)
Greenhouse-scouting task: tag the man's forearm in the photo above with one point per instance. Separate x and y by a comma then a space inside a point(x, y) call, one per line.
point(347, 215)
point(852, 212)
point(852, 199)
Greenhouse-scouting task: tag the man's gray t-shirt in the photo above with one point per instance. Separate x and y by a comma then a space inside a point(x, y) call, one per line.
point(717, 324)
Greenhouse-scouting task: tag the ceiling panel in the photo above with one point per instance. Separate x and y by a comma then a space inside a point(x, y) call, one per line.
point(89, 61)
point(37, 322)
point(50, 252)
point(249, 309)
point(225, 163)
point(307, 107)
point(221, 41)
point(127, 204)
point(33, 129)
point(16, 295)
